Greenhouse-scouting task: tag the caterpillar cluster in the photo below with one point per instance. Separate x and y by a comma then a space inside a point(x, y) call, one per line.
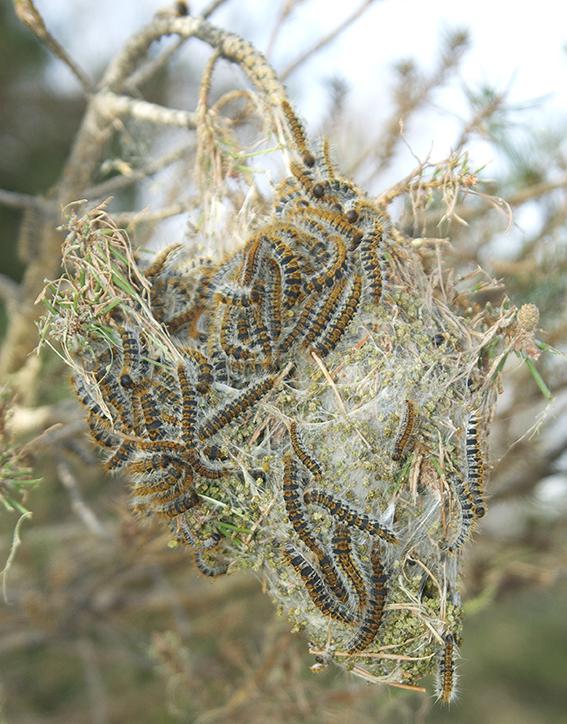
point(244, 329)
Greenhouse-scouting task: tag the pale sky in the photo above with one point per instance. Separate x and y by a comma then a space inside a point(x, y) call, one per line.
point(519, 47)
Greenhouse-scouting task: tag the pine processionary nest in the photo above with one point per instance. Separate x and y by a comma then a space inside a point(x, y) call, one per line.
point(312, 406)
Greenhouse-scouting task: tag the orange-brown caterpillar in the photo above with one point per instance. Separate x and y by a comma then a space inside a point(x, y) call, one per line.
point(406, 429)
point(130, 358)
point(294, 506)
point(321, 318)
point(328, 276)
point(372, 618)
point(475, 467)
point(446, 674)
point(467, 512)
point(114, 394)
point(296, 515)
point(232, 410)
point(326, 157)
point(250, 263)
point(316, 588)
point(274, 301)
point(301, 325)
point(120, 457)
point(178, 505)
point(305, 180)
point(342, 550)
point(335, 221)
point(298, 135)
point(204, 370)
point(372, 268)
point(348, 515)
point(152, 420)
point(189, 406)
point(260, 332)
point(101, 431)
point(291, 273)
point(341, 321)
point(301, 451)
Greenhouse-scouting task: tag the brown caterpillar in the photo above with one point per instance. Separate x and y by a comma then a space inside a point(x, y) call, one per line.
point(232, 410)
point(298, 134)
point(301, 325)
point(342, 550)
point(130, 357)
point(291, 273)
point(152, 420)
point(203, 367)
point(372, 618)
point(328, 276)
point(344, 316)
point(446, 684)
point(120, 457)
point(188, 406)
point(348, 515)
point(301, 451)
point(294, 506)
point(467, 512)
point(475, 467)
point(113, 393)
point(406, 430)
point(372, 269)
point(316, 588)
point(333, 220)
point(321, 318)
point(305, 180)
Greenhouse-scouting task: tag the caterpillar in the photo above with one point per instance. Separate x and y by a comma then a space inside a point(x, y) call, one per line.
point(446, 672)
point(114, 394)
point(130, 357)
point(294, 506)
point(260, 332)
point(328, 276)
point(291, 273)
point(179, 505)
point(326, 158)
point(348, 515)
point(152, 421)
point(250, 264)
point(188, 406)
point(232, 410)
point(300, 327)
point(315, 587)
point(120, 457)
point(372, 269)
point(298, 134)
point(406, 430)
point(208, 569)
point(475, 467)
point(305, 180)
point(372, 619)
point(344, 316)
point(321, 318)
point(342, 550)
point(333, 220)
point(296, 514)
point(100, 431)
point(205, 377)
point(466, 510)
point(301, 451)
point(274, 301)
